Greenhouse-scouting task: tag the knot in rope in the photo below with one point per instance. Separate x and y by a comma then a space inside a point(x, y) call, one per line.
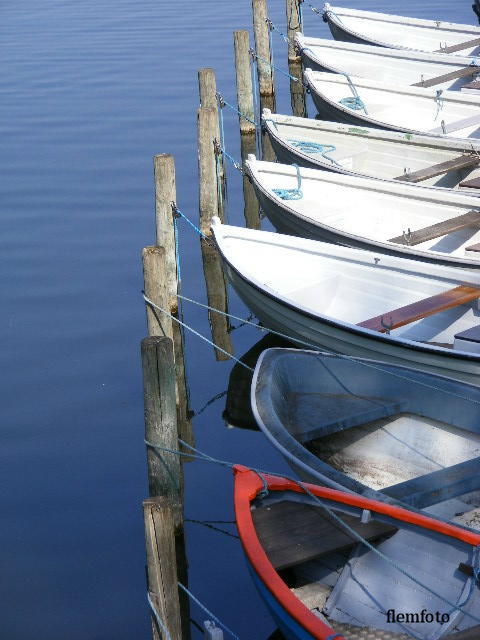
point(291, 194)
point(315, 147)
point(353, 102)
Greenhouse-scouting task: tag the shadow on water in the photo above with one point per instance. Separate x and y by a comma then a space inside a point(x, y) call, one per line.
point(238, 410)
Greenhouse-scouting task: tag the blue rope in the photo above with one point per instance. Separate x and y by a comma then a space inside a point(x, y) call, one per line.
point(315, 147)
point(357, 103)
point(288, 75)
point(353, 102)
point(329, 10)
point(272, 27)
point(209, 613)
point(222, 102)
point(314, 9)
point(176, 210)
point(291, 194)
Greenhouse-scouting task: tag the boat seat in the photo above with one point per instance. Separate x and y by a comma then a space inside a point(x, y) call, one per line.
point(461, 162)
point(468, 340)
point(460, 46)
point(292, 533)
point(438, 486)
point(458, 125)
point(422, 309)
point(412, 238)
point(471, 183)
point(464, 72)
point(473, 247)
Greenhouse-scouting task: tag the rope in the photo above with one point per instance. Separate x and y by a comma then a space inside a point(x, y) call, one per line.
point(291, 194)
point(315, 147)
point(314, 9)
point(327, 10)
point(186, 326)
point(209, 525)
point(158, 620)
point(272, 28)
point(209, 613)
point(211, 401)
point(285, 73)
point(222, 102)
point(177, 211)
point(205, 457)
point(355, 103)
point(338, 355)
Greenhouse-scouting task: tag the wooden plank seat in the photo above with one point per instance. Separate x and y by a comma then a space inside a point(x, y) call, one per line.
point(473, 247)
point(422, 309)
point(412, 238)
point(464, 72)
point(456, 126)
point(461, 46)
point(292, 532)
point(442, 167)
point(474, 85)
point(438, 486)
point(473, 183)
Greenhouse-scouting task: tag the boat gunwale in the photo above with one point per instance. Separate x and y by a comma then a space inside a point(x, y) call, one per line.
point(248, 484)
point(344, 326)
point(390, 247)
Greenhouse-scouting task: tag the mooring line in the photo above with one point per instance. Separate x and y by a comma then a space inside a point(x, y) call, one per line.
point(207, 611)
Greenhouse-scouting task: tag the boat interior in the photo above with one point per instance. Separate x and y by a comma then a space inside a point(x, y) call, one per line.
point(314, 547)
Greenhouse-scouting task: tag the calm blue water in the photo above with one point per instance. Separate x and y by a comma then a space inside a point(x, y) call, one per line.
point(90, 91)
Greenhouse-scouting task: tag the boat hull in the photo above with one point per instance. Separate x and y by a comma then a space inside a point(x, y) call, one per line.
point(330, 335)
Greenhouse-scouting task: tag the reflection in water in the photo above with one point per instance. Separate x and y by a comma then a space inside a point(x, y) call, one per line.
point(238, 410)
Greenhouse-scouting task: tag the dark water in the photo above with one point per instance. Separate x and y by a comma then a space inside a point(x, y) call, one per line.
point(90, 91)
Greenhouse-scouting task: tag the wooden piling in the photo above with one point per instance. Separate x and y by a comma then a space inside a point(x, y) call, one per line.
point(250, 203)
point(165, 195)
point(294, 25)
point(209, 201)
point(262, 47)
point(164, 469)
point(162, 576)
point(207, 90)
point(241, 45)
point(268, 154)
point(298, 96)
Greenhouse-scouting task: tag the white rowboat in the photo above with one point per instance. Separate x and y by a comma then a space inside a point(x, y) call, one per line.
point(318, 294)
point(362, 101)
point(395, 66)
point(373, 153)
point(400, 32)
point(396, 218)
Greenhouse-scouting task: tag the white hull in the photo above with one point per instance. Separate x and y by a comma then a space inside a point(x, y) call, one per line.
point(385, 65)
point(402, 108)
point(264, 267)
point(368, 152)
point(399, 32)
point(365, 213)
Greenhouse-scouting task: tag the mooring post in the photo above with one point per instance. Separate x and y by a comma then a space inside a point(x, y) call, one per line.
point(250, 203)
point(268, 154)
point(241, 45)
point(208, 205)
point(262, 47)
point(294, 25)
point(297, 90)
point(165, 477)
point(207, 90)
point(162, 285)
point(162, 576)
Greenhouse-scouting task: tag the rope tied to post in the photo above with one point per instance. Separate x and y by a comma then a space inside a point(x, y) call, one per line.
point(439, 101)
point(291, 194)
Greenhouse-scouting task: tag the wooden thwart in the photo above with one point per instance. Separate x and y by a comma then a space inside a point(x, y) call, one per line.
point(475, 85)
point(474, 183)
point(460, 47)
point(458, 125)
point(437, 169)
point(292, 533)
point(473, 247)
point(412, 238)
point(422, 309)
point(458, 73)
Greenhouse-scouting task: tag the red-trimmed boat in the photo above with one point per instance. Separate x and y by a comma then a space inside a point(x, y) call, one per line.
point(319, 582)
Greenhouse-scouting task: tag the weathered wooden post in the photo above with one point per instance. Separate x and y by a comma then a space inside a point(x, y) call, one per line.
point(268, 154)
point(162, 576)
point(250, 203)
point(214, 277)
point(161, 282)
point(241, 44)
point(165, 482)
point(262, 47)
point(298, 98)
point(294, 25)
point(207, 90)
